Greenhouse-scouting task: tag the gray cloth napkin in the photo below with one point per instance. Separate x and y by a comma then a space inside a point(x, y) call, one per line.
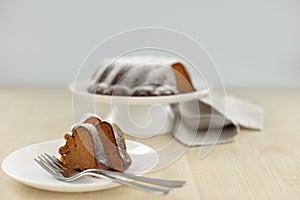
point(211, 127)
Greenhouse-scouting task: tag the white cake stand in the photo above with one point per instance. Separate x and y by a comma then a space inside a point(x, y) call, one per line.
point(140, 117)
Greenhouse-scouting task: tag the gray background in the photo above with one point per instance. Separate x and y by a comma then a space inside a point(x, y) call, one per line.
point(253, 43)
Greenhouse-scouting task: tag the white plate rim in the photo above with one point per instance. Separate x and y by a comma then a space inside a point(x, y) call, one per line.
point(135, 100)
point(102, 184)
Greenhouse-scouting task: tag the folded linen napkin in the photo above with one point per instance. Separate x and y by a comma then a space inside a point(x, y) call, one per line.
point(219, 126)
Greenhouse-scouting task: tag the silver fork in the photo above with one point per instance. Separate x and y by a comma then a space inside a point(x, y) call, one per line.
point(61, 172)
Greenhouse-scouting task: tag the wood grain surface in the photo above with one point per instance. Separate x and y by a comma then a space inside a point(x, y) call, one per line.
point(256, 165)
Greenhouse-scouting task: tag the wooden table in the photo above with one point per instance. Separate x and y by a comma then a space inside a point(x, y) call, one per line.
point(257, 165)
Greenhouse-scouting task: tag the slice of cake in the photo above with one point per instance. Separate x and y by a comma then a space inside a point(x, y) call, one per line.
point(94, 143)
point(141, 76)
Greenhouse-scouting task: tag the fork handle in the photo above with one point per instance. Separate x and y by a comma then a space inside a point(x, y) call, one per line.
point(146, 188)
point(166, 183)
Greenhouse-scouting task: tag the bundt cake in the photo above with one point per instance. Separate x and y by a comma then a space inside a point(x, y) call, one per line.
point(94, 143)
point(141, 76)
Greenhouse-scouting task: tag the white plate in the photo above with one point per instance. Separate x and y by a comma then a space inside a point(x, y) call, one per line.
point(20, 166)
point(80, 88)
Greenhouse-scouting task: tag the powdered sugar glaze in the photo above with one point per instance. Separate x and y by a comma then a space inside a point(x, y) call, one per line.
point(136, 75)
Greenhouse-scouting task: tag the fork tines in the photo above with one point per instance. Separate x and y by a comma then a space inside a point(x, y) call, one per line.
point(64, 173)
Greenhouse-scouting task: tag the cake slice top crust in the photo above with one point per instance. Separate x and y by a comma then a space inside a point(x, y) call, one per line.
point(90, 118)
